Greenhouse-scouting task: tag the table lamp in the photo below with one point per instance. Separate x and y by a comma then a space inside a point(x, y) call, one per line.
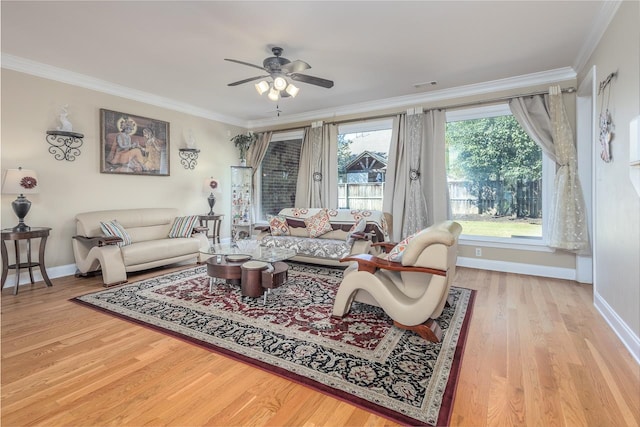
point(209, 186)
point(20, 181)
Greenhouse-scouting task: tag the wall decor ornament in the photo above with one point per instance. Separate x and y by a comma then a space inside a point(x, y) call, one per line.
point(133, 145)
point(64, 143)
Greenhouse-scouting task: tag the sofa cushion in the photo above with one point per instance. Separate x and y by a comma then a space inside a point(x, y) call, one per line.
point(115, 229)
point(318, 224)
point(278, 226)
point(153, 250)
point(183, 226)
point(319, 248)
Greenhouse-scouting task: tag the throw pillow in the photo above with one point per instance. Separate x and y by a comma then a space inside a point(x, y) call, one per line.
point(358, 227)
point(279, 227)
point(183, 226)
point(318, 224)
point(396, 253)
point(115, 229)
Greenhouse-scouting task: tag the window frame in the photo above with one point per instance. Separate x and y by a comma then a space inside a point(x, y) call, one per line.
point(548, 178)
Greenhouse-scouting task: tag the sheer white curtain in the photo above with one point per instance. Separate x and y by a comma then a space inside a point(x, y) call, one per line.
point(544, 118)
point(318, 175)
point(415, 188)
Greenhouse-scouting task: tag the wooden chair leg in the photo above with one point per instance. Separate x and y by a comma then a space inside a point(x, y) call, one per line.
point(429, 330)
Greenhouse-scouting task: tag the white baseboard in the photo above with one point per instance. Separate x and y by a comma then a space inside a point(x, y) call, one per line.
point(516, 267)
point(622, 330)
point(52, 272)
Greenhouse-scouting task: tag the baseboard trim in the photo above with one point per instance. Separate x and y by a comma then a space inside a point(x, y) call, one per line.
point(630, 340)
point(52, 272)
point(520, 268)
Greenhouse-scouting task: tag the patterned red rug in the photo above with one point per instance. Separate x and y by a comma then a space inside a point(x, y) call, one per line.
point(362, 359)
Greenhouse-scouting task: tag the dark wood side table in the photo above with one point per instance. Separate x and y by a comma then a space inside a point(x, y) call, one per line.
point(215, 228)
point(35, 232)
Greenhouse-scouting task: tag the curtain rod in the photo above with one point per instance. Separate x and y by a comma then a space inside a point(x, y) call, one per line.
point(448, 107)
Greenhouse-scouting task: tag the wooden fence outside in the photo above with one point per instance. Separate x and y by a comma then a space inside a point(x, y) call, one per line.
point(524, 199)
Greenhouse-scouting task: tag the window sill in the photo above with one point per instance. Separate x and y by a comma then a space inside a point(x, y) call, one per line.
point(516, 243)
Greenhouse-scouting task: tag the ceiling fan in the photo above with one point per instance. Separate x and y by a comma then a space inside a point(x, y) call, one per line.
point(279, 69)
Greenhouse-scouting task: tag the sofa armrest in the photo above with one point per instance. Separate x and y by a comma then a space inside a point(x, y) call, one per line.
point(99, 240)
point(386, 246)
point(371, 263)
point(265, 228)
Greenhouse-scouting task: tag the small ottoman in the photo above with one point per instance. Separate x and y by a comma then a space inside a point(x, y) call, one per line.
point(251, 282)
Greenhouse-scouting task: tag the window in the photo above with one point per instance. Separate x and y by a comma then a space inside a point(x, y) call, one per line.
point(278, 174)
point(363, 151)
point(495, 174)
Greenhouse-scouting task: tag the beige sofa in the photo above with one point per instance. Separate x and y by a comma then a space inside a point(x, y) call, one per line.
point(330, 247)
point(150, 245)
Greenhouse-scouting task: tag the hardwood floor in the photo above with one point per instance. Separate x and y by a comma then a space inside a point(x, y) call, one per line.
point(538, 353)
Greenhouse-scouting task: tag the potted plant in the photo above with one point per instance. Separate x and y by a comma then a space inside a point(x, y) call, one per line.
point(242, 142)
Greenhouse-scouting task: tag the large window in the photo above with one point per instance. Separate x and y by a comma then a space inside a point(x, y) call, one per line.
point(278, 174)
point(363, 152)
point(495, 174)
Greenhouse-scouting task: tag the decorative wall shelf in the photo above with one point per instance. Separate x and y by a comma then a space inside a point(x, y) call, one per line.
point(64, 145)
point(188, 157)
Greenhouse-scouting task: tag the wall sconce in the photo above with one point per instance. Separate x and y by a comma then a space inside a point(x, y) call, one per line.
point(189, 155)
point(21, 181)
point(65, 143)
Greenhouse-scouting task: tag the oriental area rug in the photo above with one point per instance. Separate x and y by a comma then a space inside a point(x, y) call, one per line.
point(362, 359)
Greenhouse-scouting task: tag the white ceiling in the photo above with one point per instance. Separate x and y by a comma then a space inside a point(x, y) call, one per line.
point(374, 51)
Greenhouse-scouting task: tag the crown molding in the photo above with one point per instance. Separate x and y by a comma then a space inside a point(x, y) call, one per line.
point(401, 102)
point(608, 10)
point(76, 79)
point(38, 69)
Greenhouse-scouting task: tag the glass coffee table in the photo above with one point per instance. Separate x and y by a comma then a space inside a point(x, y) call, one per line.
point(254, 267)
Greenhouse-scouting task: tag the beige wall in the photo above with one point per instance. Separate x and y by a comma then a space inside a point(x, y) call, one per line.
point(617, 212)
point(29, 109)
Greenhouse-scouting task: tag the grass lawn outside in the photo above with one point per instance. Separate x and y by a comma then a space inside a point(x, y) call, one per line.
point(500, 228)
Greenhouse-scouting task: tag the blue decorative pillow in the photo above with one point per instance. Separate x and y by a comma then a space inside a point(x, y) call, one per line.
point(183, 226)
point(115, 229)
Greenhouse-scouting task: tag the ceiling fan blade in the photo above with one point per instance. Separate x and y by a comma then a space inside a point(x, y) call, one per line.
point(247, 80)
point(245, 63)
point(295, 66)
point(312, 80)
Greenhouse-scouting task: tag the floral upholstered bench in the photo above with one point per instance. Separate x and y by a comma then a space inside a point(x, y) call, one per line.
point(324, 236)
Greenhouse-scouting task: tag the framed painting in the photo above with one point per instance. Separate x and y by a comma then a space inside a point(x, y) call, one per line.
point(133, 145)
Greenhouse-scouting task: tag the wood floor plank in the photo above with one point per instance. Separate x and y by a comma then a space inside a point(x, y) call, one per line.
point(538, 353)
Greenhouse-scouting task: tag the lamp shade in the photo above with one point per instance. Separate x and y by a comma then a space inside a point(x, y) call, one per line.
point(20, 181)
point(262, 87)
point(210, 185)
point(292, 90)
point(279, 83)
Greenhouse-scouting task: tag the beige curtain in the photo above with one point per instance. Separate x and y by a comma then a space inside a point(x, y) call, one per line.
point(255, 154)
point(415, 190)
point(397, 176)
point(544, 118)
point(305, 168)
point(318, 175)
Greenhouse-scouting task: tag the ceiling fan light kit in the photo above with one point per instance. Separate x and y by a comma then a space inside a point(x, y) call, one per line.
point(280, 70)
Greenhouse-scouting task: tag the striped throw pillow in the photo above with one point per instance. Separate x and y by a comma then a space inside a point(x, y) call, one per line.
point(183, 226)
point(115, 229)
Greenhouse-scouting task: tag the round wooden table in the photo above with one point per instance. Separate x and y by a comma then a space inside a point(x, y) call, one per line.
point(33, 233)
